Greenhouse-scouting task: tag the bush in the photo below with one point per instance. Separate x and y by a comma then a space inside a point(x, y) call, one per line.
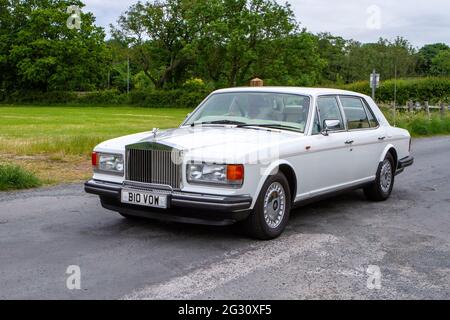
point(418, 123)
point(176, 98)
point(103, 97)
point(13, 177)
point(168, 99)
point(37, 97)
point(433, 90)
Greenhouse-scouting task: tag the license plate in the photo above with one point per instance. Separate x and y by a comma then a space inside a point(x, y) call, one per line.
point(147, 199)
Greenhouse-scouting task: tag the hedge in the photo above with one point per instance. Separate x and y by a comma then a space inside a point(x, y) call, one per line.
point(434, 90)
point(181, 98)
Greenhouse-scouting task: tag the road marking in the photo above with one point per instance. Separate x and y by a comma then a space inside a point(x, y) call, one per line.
point(262, 256)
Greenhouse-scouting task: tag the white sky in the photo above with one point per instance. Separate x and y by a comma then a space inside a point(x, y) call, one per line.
point(420, 21)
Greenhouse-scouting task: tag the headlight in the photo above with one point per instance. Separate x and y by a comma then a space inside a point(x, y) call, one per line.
point(108, 163)
point(215, 174)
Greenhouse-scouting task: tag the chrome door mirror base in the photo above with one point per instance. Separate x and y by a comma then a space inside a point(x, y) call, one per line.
point(330, 125)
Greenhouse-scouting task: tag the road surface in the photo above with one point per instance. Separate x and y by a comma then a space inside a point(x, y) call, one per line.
point(340, 248)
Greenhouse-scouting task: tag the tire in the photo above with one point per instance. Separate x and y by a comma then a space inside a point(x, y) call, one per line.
point(271, 213)
point(381, 188)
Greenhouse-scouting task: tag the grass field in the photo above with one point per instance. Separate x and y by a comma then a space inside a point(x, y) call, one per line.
point(55, 142)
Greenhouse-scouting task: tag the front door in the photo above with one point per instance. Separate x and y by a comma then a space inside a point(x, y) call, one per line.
point(327, 165)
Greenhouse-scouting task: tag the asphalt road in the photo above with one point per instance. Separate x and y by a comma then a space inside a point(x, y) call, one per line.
point(324, 253)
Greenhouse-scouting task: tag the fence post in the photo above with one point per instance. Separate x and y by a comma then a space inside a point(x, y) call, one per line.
point(443, 109)
point(427, 108)
point(410, 106)
point(256, 83)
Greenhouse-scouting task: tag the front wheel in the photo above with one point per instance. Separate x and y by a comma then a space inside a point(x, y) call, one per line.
point(381, 188)
point(271, 213)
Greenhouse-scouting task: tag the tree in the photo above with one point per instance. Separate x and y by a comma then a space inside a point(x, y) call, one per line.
point(426, 55)
point(332, 49)
point(440, 65)
point(242, 33)
point(159, 36)
point(40, 52)
point(386, 57)
point(294, 61)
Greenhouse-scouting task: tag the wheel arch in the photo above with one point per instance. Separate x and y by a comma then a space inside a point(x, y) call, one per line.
point(287, 169)
point(390, 149)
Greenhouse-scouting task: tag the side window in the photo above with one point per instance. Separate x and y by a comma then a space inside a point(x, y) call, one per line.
point(355, 113)
point(372, 119)
point(329, 110)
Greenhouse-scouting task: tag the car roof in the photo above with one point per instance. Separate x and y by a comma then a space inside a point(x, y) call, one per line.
point(291, 90)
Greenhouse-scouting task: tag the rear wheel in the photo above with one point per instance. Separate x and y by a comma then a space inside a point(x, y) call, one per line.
point(271, 213)
point(381, 188)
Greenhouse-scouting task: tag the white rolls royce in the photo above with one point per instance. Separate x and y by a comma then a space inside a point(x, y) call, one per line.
point(250, 155)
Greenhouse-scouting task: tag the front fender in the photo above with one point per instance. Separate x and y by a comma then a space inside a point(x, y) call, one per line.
point(266, 172)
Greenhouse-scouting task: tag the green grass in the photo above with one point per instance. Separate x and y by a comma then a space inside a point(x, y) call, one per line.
point(75, 130)
point(13, 177)
point(419, 124)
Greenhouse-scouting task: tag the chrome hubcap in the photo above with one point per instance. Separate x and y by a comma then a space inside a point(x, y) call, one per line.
point(274, 205)
point(386, 176)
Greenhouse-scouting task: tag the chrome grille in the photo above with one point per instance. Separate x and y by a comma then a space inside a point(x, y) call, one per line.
point(154, 166)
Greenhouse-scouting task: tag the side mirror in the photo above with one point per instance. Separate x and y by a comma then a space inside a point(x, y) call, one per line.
point(330, 125)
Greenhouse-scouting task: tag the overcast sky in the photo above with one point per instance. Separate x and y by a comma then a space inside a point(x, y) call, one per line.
point(420, 21)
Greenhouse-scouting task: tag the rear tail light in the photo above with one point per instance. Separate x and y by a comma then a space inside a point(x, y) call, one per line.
point(410, 141)
point(94, 159)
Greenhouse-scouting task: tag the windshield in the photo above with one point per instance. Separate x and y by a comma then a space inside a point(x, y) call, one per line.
point(286, 111)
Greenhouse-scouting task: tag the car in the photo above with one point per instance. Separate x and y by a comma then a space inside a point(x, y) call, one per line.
point(251, 155)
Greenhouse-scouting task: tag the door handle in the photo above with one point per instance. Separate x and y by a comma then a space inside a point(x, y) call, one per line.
point(381, 138)
point(349, 142)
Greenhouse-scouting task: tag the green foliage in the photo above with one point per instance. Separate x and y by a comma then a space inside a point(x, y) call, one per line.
point(426, 55)
point(418, 123)
point(441, 63)
point(433, 90)
point(168, 98)
point(113, 97)
point(39, 97)
point(164, 45)
point(13, 177)
point(39, 52)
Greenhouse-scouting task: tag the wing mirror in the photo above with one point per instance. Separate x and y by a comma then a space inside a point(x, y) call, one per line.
point(330, 125)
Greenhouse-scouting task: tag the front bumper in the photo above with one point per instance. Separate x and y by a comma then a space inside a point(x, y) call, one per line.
point(184, 207)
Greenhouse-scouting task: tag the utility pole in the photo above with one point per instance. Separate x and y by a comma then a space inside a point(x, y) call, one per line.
point(374, 82)
point(128, 75)
point(395, 94)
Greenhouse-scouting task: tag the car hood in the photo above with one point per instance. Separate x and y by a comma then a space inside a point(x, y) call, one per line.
point(215, 143)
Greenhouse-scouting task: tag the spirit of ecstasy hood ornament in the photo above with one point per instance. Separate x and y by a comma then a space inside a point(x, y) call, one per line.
point(155, 132)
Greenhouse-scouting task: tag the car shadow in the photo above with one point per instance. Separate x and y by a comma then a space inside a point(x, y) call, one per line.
point(318, 212)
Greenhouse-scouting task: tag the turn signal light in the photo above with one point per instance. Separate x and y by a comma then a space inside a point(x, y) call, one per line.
point(235, 172)
point(94, 159)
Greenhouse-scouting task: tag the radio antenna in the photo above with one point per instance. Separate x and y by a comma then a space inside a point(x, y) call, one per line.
point(395, 92)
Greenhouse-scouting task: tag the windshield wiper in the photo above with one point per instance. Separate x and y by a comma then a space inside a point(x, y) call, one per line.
point(239, 123)
point(271, 125)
